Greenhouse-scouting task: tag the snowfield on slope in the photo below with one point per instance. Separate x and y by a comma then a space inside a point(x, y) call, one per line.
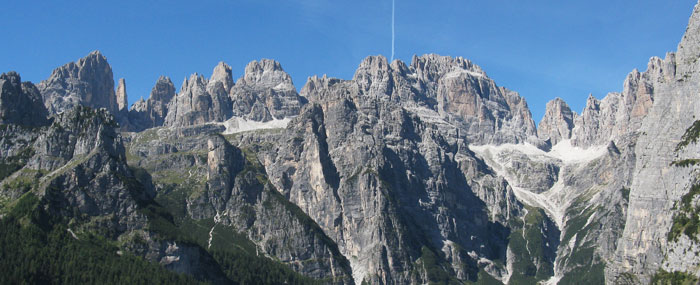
point(239, 125)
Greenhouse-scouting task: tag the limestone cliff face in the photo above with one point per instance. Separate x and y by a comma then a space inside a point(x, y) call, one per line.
point(658, 184)
point(122, 102)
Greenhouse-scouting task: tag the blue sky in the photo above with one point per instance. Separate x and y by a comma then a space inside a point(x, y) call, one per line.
point(542, 49)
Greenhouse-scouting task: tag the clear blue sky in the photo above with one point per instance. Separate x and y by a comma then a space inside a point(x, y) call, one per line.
point(542, 49)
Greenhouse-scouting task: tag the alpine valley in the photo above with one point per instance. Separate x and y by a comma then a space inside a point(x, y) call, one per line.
point(427, 172)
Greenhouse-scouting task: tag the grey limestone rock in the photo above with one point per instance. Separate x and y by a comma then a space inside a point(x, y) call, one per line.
point(198, 102)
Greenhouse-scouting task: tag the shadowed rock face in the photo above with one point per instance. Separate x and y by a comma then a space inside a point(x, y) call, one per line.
point(88, 82)
point(20, 102)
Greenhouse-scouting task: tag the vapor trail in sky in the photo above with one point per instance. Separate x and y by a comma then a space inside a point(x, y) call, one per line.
point(393, 7)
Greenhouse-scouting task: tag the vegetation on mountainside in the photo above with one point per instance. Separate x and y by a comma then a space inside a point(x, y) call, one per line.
point(686, 220)
point(690, 137)
point(528, 246)
point(673, 278)
point(38, 249)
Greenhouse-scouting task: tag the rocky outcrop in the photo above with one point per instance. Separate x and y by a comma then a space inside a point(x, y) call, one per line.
point(265, 92)
point(20, 102)
point(145, 114)
point(557, 123)
point(122, 103)
point(88, 82)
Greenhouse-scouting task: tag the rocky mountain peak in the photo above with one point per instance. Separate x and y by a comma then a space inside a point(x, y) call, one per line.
point(164, 90)
point(266, 73)
point(88, 81)
point(222, 73)
point(619, 114)
point(372, 65)
point(265, 92)
point(20, 103)
point(557, 123)
point(374, 77)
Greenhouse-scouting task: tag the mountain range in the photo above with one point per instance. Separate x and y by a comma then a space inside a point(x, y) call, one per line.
point(427, 172)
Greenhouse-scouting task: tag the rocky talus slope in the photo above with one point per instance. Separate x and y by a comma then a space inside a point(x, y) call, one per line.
point(427, 172)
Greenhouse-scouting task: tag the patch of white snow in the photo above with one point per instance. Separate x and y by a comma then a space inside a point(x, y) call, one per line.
point(238, 125)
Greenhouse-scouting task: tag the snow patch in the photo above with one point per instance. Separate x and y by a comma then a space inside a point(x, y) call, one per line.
point(563, 151)
point(238, 125)
point(358, 271)
point(571, 154)
point(211, 236)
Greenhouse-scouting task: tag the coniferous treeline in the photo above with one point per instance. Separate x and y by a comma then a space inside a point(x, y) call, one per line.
point(33, 250)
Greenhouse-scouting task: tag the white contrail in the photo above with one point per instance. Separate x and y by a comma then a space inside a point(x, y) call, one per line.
point(393, 7)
